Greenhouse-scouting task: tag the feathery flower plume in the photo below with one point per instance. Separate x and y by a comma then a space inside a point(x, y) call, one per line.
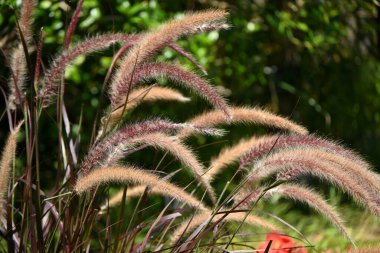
point(101, 148)
point(190, 80)
point(154, 41)
point(89, 45)
point(37, 67)
point(176, 148)
point(156, 93)
point(266, 144)
point(246, 115)
point(97, 153)
point(143, 94)
point(355, 170)
point(18, 62)
point(188, 56)
point(228, 156)
point(6, 163)
point(294, 163)
point(173, 46)
point(73, 23)
point(314, 200)
point(136, 176)
point(204, 217)
point(16, 82)
point(25, 20)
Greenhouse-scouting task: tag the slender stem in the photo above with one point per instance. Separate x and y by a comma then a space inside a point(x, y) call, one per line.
point(119, 226)
point(37, 182)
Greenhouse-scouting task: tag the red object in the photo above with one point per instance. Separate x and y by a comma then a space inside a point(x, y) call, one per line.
point(280, 244)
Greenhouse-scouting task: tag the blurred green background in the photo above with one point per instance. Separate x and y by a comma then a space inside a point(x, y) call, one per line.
point(316, 61)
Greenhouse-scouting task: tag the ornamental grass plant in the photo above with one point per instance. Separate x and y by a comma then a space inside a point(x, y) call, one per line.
point(105, 197)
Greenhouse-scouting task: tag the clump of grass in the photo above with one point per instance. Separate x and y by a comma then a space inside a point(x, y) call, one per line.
point(72, 214)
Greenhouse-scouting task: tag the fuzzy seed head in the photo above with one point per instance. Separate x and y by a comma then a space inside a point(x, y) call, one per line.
point(6, 163)
point(246, 115)
point(134, 175)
